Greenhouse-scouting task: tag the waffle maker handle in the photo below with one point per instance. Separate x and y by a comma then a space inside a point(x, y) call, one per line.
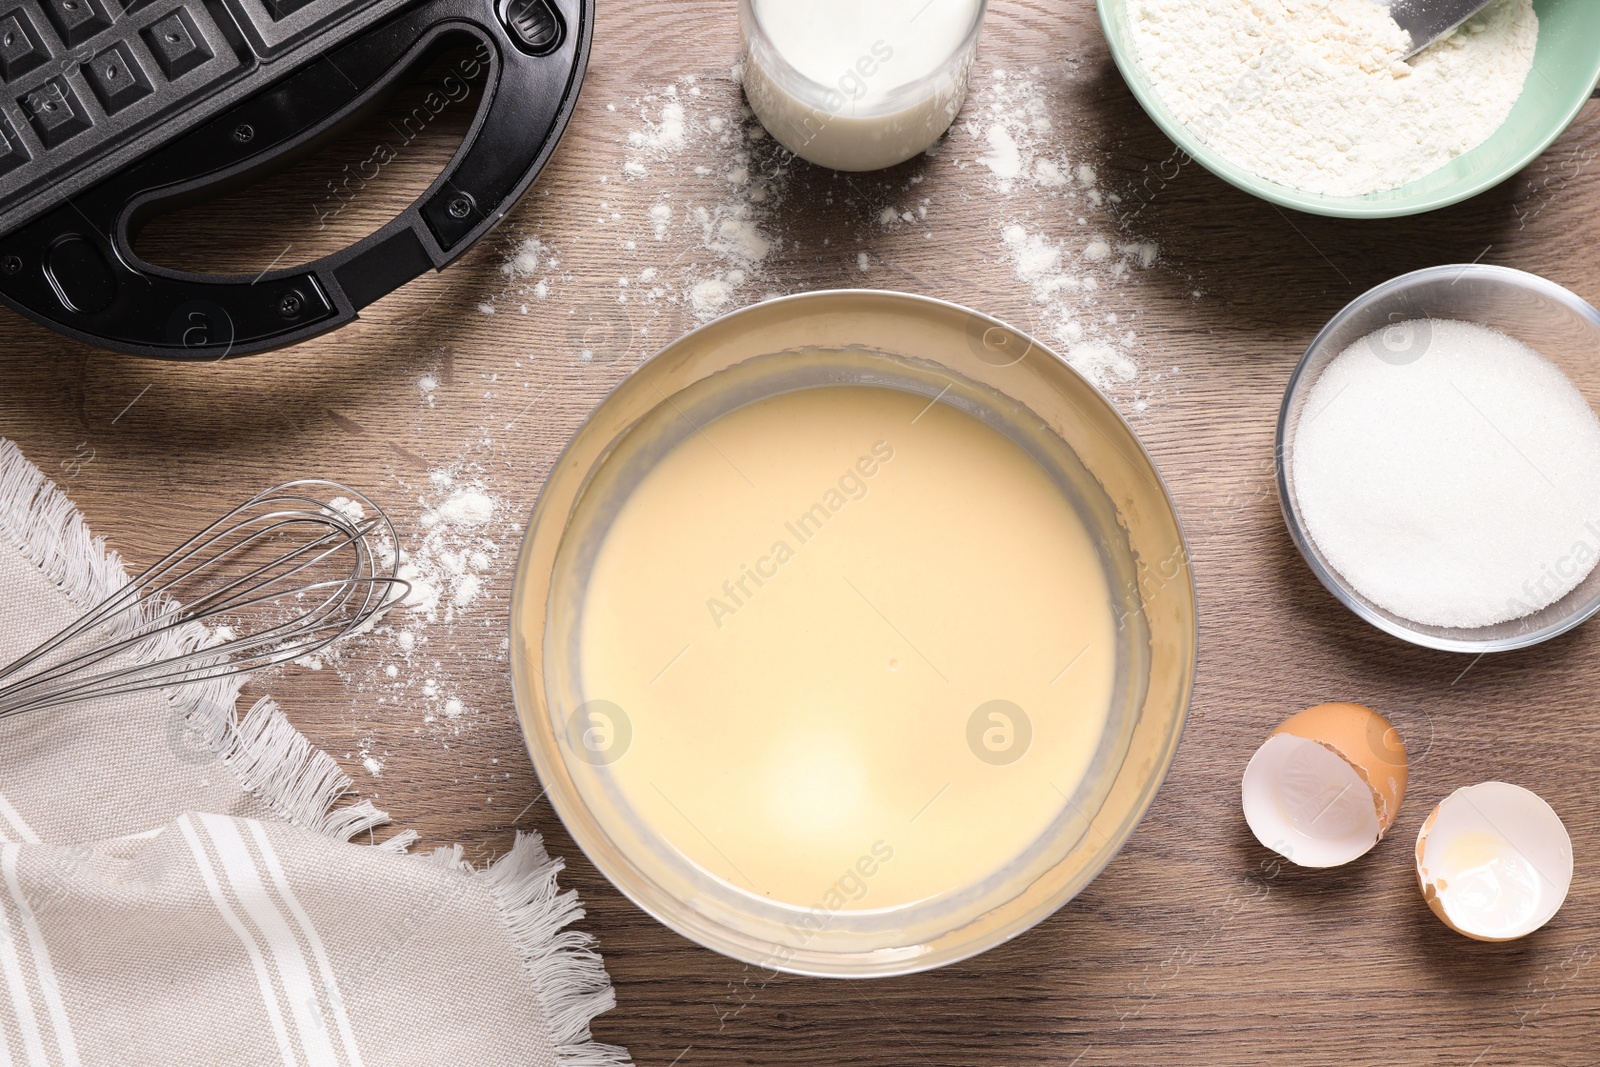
point(74, 268)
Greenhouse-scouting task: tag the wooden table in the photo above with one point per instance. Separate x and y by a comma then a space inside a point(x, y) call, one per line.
point(1192, 947)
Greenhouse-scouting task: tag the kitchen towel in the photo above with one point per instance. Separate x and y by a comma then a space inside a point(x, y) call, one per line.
point(177, 886)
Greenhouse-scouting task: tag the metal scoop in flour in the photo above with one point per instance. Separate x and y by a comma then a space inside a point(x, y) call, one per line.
point(1428, 20)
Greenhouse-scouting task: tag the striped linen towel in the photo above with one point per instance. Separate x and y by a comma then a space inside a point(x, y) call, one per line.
point(177, 886)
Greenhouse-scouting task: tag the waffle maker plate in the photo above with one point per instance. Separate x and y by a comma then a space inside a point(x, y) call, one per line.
point(111, 113)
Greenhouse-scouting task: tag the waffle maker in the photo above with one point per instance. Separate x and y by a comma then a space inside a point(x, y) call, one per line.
point(113, 112)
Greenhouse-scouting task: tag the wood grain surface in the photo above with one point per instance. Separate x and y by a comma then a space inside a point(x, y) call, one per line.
point(1193, 947)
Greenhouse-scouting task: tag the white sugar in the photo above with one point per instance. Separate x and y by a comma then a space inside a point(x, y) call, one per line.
point(1450, 474)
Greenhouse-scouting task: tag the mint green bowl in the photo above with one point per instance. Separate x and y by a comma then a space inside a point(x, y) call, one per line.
point(1566, 69)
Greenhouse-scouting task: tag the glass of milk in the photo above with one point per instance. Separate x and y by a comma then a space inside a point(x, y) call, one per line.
point(858, 84)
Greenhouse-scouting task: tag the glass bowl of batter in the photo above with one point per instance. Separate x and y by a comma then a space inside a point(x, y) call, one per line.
point(853, 634)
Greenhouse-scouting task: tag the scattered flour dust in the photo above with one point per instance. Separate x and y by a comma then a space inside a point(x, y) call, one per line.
point(428, 386)
point(446, 568)
point(667, 134)
point(692, 217)
point(525, 259)
point(350, 509)
point(710, 296)
point(403, 661)
point(683, 137)
point(530, 270)
point(1316, 96)
point(731, 232)
point(1074, 256)
point(677, 123)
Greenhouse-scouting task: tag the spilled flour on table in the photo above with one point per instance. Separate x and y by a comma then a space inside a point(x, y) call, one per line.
point(1067, 246)
point(428, 385)
point(731, 236)
point(691, 171)
point(446, 568)
point(700, 213)
point(531, 270)
point(457, 545)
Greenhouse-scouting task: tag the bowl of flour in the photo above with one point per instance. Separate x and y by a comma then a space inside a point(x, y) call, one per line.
point(1438, 458)
point(1312, 106)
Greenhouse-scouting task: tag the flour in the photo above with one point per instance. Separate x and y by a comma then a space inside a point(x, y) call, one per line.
point(447, 565)
point(1067, 294)
point(1075, 256)
point(710, 297)
point(524, 260)
point(666, 135)
point(529, 270)
point(696, 218)
point(350, 509)
point(411, 662)
point(1016, 135)
point(464, 508)
point(450, 566)
point(445, 568)
point(676, 120)
point(660, 217)
point(1004, 157)
point(738, 238)
point(1315, 96)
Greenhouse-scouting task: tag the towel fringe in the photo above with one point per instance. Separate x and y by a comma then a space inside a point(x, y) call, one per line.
point(400, 844)
point(568, 975)
point(450, 857)
point(272, 760)
point(45, 527)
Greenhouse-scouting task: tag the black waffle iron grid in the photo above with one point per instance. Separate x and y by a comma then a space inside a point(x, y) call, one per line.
point(112, 111)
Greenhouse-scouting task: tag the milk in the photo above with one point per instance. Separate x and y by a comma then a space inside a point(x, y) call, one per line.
point(858, 84)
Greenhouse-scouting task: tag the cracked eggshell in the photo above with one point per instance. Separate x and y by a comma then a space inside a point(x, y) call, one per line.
point(1326, 785)
point(1494, 861)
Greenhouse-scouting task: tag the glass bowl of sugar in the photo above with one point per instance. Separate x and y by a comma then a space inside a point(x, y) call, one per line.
point(1438, 458)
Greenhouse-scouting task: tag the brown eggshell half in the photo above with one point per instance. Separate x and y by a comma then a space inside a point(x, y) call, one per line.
point(1365, 740)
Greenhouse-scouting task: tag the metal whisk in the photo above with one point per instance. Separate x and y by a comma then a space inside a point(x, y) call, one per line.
point(282, 576)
